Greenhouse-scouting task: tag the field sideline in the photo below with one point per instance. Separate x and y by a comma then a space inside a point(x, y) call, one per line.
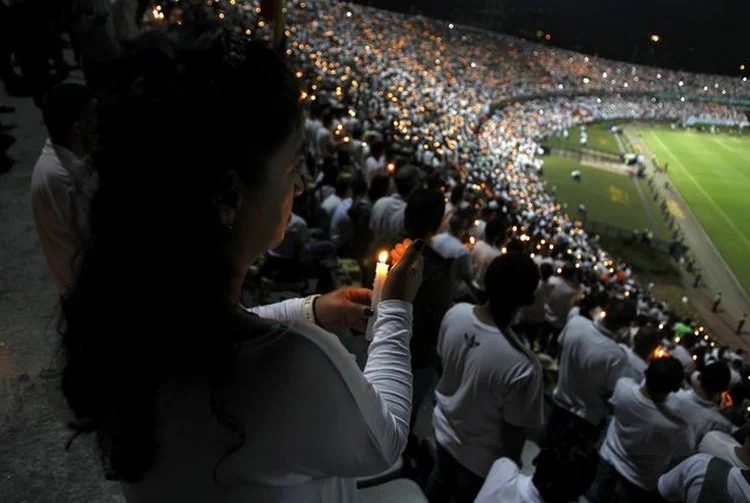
point(712, 174)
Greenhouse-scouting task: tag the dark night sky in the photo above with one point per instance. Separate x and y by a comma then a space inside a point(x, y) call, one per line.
point(711, 36)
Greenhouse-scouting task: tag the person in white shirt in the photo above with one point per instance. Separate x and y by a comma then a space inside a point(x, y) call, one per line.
point(312, 125)
point(64, 181)
point(487, 249)
point(326, 146)
point(344, 191)
point(646, 340)
point(533, 315)
point(703, 479)
point(375, 162)
point(560, 476)
point(450, 247)
point(644, 439)
point(341, 225)
point(490, 392)
point(724, 446)
point(192, 397)
point(699, 405)
point(591, 363)
point(387, 218)
point(563, 293)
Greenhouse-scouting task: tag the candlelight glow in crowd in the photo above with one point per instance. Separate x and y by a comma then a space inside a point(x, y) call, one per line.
point(375, 150)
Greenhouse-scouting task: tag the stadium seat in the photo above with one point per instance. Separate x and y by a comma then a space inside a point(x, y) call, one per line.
point(396, 491)
point(391, 473)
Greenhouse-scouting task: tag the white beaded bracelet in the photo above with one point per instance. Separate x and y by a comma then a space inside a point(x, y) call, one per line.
point(308, 308)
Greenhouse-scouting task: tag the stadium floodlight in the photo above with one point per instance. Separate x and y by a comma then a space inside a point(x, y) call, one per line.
point(655, 38)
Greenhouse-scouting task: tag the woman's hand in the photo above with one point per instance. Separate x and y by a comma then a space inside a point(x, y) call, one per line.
point(405, 277)
point(347, 307)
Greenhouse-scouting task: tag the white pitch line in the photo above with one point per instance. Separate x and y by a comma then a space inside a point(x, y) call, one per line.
point(703, 191)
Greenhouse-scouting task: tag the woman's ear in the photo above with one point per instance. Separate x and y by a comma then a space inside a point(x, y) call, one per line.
point(227, 198)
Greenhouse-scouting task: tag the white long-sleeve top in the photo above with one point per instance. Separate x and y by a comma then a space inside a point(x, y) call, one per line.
point(312, 421)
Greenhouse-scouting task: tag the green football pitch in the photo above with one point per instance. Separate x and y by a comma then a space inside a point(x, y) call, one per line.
point(610, 197)
point(712, 174)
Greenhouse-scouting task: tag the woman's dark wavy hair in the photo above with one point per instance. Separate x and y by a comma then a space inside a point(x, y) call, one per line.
point(150, 302)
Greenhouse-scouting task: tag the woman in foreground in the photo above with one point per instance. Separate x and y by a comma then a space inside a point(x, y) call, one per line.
point(191, 397)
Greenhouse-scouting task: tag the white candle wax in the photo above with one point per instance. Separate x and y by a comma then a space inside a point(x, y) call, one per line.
point(381, 273)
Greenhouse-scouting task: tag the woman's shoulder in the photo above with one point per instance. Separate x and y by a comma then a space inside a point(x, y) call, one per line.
point(291, 345)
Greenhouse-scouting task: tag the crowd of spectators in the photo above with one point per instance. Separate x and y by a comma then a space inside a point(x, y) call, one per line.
point(514, 325)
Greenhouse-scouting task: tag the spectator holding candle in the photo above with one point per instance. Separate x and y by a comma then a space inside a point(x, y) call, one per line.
point(191, 396)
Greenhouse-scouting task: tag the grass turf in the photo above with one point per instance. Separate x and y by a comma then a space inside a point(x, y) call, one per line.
point(599, 138)
point(610, 198)
point(712, 173)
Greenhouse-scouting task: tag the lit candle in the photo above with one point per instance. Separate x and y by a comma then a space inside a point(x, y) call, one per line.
point(381, 273)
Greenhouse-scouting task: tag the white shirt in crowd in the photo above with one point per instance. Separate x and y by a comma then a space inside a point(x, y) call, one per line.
point(313, 421)
point(702, 416)
point(535, 312)
point(486, 382)
point(341, 229)
point(482, 256)
point(590, 365)
point(325, 142)
point(374, 167)
point(724, 446)
point(330, 204)
point(450, 248)
point(296, 236)
point(506, 484)
point(636, 367)
point(561, 297)
point(643, 438)
point(684, 356)
point(62, 186)
point(684, 482)
point(311, 131)
point(387, 217)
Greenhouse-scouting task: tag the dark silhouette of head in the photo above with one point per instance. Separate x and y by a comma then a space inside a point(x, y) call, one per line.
point(646, 340)
point(620, 313)
point(378, 187)
point(663, 376)
point(510, 282)
point(496, 230)
point(715, 378)
point(70, 114)
point(563, 473)
point(424, 213)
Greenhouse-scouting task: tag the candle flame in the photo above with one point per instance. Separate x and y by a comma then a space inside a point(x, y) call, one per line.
point(383, 257)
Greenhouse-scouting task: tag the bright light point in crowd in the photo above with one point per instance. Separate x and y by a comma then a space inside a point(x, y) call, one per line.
point(349, 14)
point(383, 257)
point(655, 38)
point(472, 240)
point(603, 314)
point(705, 88)
point(695, 357)
point(560, 86)
point(547, 37)
point(742, 67)
point(503, 250)
point(585, 80)
point(744, 79)
point(391, 168)
point(680, 83)
point(682, 98)
point(533, 255)
point(559, 270)
point(476, 223)
point(658, 75)
point(437, 61)
point(450, 26)
point(473, 65)
point(661, 326)
point(604, 75)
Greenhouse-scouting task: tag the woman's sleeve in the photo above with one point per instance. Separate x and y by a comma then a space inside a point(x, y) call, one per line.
point(338, 421)
point(286, 311)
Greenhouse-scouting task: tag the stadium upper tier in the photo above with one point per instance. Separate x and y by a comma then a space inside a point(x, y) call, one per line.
point(507, 67)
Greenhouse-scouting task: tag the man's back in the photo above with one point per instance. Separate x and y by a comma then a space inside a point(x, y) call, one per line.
point(702, 415)
point(590, 366)
point(560, 300)
point(643, 438)
point(387, 218)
